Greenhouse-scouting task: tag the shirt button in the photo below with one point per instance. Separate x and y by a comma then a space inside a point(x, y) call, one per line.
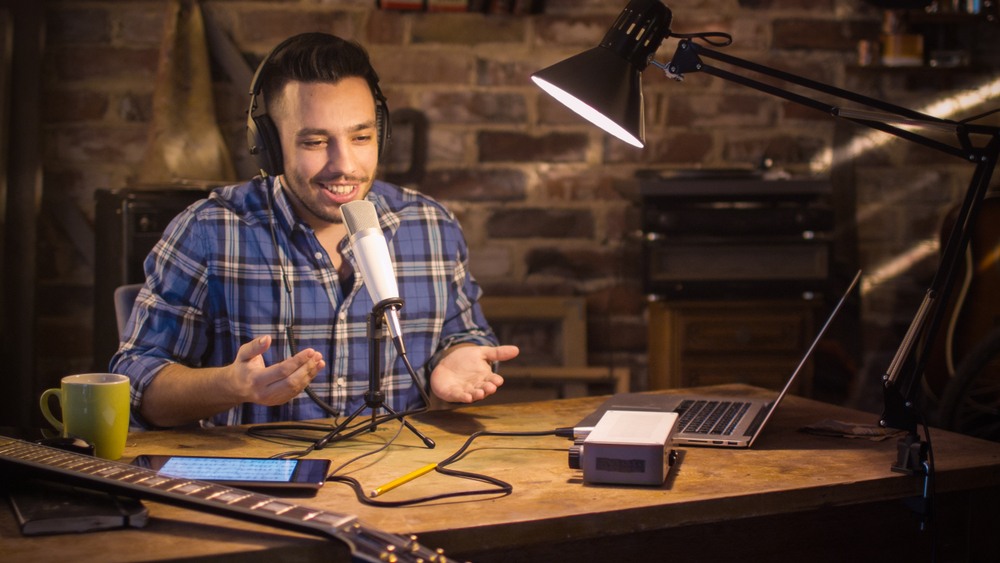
point(341, 382)
point(319, 256)
point(342, 316)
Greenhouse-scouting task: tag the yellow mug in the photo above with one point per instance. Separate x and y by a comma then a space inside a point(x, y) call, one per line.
point(95, 407)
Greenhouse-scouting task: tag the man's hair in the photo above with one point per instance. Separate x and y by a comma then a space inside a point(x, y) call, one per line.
point(315, 57)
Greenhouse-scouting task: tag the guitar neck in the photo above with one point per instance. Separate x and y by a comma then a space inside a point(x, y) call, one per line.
point(129, 480)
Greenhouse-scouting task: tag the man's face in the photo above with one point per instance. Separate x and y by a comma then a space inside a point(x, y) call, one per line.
point(329, 143)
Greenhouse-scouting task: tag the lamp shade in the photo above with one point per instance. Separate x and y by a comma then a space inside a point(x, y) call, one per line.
point(603, 88)
point(604, 84)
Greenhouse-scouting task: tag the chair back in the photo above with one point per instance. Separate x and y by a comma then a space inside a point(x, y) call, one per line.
point(124, 301)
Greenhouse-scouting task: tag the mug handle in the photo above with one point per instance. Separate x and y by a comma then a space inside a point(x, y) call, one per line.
point(44, 403)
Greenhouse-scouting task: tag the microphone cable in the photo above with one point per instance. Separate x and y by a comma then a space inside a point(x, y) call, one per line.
point(332, 433)
point(499, 487)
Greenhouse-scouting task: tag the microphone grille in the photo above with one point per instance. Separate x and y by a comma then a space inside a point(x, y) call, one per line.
point(359, 215)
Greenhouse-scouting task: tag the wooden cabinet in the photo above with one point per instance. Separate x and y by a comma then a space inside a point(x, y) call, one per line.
point(710, 342)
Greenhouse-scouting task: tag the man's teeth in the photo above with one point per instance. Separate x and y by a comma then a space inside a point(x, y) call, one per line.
point(340, 190)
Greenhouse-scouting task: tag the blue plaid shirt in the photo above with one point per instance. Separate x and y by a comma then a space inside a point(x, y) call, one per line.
point(214, 283)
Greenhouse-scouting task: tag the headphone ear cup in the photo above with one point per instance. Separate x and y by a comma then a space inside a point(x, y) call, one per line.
point(383, 126)
point(265, 145)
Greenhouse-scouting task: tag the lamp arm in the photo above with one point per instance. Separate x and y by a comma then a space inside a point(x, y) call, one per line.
point(906, 368)
point(688, 58)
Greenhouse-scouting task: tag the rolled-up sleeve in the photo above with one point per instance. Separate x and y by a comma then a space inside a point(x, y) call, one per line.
point(169, 312)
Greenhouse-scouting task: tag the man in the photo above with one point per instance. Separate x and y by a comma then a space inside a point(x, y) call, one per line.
point(254, 293)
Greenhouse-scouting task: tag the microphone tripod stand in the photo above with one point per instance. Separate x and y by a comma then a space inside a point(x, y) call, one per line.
point(374, 396)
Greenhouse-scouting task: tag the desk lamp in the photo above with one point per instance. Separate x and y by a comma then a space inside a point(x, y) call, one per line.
point(604, 85)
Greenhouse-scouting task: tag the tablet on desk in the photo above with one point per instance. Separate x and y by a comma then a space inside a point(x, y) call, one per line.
point(242, 472)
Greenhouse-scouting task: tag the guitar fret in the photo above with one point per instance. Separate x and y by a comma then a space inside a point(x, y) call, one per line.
point(136, 476)
point(110, 472)
point(276, 506)
point(250, 501)
point(302, 513)
point(333, 520)
point(132, 480)
point(156, 480)
point(232, 496)
point(207, 490)
point(190, 488)
point(77, 464)
point(178, 484)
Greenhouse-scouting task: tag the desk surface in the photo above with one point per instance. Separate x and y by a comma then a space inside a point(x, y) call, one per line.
point(787, 472)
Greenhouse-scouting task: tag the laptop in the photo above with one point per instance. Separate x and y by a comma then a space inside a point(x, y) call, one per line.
point(727, 422)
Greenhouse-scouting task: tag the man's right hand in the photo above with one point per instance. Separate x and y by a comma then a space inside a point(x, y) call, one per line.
point(182, 395)
point(272, 385)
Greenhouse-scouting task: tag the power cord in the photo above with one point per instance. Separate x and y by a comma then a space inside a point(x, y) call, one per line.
point(713, 38)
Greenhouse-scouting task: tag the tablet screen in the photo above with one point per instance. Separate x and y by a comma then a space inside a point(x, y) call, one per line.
point(243, 472)
point(230, 469)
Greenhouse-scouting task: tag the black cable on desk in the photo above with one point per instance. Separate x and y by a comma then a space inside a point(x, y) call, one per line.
point(501, 488)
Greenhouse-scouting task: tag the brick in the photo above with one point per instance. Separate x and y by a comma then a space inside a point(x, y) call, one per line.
point(493, 72)
point(448, 146)
point(685, 148)
point(142, 26)
point(77, 26)
point(544, 223)
point(917, 154)
point(474, 107)
point(718, 110)
point(582, 30)
point(491, 261)
point(573, 264)
point(813, 6)
point(475, 185)
point(785, 150)
point(422, 66)
point(69, 106)
point(560, 184)
point(561, 7)
point(792, 110)
point(98, 144)
point(535, 286)
point(385, 28)
point(267, 28)
point(500, 146)
point(467, 29)
point(105, 63)
point(817, 34)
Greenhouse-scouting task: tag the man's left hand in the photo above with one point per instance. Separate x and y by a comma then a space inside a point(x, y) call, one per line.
point(465, 374)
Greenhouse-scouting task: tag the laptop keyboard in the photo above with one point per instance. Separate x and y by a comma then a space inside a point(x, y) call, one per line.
point(710, 417)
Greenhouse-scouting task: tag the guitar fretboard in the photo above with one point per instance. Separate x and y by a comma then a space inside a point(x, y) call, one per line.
point(140, 482)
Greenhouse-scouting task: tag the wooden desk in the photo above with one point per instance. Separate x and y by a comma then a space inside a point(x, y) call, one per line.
point(795, 496)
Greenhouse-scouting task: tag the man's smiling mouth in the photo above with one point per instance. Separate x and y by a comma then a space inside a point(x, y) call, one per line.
point(340, 189)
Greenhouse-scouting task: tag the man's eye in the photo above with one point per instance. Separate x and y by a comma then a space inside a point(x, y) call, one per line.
point(313, 143)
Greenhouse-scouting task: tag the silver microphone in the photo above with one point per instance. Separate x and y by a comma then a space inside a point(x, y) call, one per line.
point(372, 255)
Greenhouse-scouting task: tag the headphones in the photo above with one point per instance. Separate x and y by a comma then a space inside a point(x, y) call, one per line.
point(262, 135)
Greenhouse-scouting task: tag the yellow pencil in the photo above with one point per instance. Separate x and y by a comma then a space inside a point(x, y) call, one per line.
point(402, 480)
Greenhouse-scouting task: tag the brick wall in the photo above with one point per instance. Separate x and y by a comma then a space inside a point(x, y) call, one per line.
point(533, 185)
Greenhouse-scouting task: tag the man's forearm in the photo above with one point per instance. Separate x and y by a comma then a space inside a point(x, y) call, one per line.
point(181, 395)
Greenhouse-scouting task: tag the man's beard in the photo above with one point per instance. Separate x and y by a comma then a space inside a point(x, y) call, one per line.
point(308, 197)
